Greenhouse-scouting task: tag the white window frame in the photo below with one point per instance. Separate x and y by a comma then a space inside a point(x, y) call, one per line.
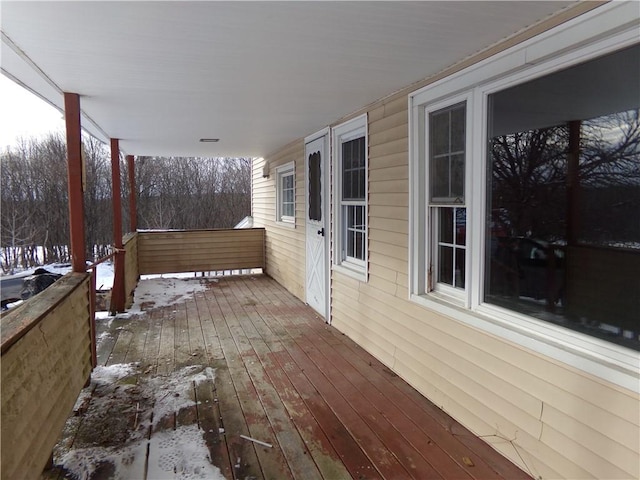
point(604, 30)
point(345, 132)
point(431, 229)
point(283, 171)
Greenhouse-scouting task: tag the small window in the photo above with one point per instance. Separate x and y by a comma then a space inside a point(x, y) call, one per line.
point(350, 144)
point(286, 194)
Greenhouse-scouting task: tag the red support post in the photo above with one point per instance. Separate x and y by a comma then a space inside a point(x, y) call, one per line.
point(117, 291)
point(133, 208)
point(75, 181)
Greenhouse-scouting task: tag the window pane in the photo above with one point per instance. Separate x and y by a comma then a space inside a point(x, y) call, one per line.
point(439, 133)
point(563, 229)
point(353, 169)
point(457, 178)
point(450, 250)
point(446, 225)
point(287, 210)
point(460, 268)
point(315, 188)
point(440, 178)
point(445, 265)
point(461, 226)
point(355, 234)
point(359, 244)
point(447, 154)
point(458, 129)
point(287, 181)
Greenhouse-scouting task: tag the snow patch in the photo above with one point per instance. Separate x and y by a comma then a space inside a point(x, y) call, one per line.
point(173, 393)
point(112, 373)
point(174, 454)
point(162, 292)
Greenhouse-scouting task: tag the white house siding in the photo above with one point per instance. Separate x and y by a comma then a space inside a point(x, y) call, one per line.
point(551, 419)
point(285, 248)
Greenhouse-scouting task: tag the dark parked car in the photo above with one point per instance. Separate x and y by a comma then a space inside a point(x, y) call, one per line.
point(36, 283)
point(528, 268)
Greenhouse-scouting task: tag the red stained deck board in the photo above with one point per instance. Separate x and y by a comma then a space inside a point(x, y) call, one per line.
point(435, 423)
point(209, 421)
point(346, 447)
point(290, 442)
point(272, 461)
point(382, 458)
point(418, 428)
point(388, 424)
point(315, 443)
point(283, 376)
point(452, 437)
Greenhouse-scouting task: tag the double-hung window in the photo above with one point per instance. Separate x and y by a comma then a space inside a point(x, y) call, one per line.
point(350, 147)
point(285, 194)
point(525, 192)
point(446, 205)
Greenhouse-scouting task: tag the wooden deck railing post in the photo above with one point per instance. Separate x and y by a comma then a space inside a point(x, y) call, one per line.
point(75, 181)
point(117, 291)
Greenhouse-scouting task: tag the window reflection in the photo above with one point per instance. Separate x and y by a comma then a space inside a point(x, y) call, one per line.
point(565, 224)
point(563, 213)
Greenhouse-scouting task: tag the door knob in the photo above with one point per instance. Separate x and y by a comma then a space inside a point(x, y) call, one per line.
point(321, 231)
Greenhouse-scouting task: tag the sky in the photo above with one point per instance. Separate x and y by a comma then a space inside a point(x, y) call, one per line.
point(24, 114)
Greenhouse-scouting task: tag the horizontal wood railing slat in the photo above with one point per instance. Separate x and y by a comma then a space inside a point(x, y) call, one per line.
point(200, 250)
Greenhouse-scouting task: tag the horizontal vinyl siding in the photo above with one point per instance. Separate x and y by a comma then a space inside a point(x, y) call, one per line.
point(285, 246)
point(552, 420)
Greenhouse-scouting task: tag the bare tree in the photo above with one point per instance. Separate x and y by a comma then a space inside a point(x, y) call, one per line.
point(172, 192)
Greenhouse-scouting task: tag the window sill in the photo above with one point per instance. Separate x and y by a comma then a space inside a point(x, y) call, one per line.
point(610, 362)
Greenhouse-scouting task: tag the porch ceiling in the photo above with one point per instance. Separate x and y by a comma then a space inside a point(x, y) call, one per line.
point(161, 75)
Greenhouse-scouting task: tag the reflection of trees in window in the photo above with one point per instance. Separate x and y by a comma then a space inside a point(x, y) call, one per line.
point(564, 225)
point(611, 150)
point(528, 178)
point(530, 174)
point(609, 178)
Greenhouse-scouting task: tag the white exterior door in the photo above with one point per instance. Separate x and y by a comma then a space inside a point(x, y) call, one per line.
point(316, 224)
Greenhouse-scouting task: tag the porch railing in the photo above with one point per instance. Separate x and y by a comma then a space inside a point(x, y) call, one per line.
point(46, 361)
point(175, 251)
point(47, 341)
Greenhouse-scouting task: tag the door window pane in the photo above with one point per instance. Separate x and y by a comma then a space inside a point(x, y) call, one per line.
point(315, 187)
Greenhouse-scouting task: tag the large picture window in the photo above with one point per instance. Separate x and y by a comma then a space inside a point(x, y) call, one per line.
point(563, 191)
point(350, 146)
point(525, 197)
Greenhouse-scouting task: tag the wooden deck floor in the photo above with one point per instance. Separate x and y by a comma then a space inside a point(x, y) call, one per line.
point(278, 374)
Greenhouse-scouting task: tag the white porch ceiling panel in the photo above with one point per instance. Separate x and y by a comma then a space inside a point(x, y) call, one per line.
point(161, 75)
